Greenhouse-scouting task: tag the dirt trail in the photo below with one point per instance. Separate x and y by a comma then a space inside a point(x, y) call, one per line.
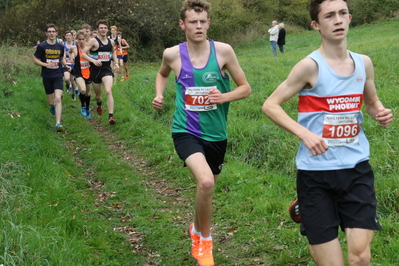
point(127, 155)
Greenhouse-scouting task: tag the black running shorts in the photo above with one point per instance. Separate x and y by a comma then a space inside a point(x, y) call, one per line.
point(52, 84)
point(214, 152)
point(336, 198)
point(97, 74)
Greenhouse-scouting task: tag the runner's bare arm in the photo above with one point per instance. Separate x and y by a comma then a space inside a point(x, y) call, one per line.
point(303, 74)
point(91, 45)
point(169, 58)
point(114, 57)
point(228, 61)
point(374, 107)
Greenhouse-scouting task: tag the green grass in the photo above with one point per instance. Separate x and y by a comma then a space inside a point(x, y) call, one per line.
point(101, 195)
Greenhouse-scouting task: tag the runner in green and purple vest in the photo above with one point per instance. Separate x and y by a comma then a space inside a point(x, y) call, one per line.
point(194, 113)
point(203, 96)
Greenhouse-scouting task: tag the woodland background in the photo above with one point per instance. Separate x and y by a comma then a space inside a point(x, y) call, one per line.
point(151, 25)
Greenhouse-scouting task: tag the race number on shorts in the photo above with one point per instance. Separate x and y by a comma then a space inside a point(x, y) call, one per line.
point(340, 130)
point(197, 99)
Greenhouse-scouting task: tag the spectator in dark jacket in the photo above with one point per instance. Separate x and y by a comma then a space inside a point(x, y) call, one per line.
point(281, 37)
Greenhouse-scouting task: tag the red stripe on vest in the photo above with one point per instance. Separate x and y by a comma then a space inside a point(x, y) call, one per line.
point(332, 104)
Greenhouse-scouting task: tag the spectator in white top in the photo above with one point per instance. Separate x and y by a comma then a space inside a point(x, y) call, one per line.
point(273, 31)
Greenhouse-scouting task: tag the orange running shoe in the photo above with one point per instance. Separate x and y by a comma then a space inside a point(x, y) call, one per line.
point(122, 79)
point(195, 241)
point(205, 256)
point(127, 76)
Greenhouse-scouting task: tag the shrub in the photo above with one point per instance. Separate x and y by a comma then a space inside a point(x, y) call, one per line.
point(150, 27)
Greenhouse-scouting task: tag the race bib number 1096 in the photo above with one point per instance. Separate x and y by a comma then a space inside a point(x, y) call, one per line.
point(340, 130)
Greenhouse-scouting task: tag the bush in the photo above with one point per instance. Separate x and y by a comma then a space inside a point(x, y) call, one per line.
point(367, 11)
point(150, 27)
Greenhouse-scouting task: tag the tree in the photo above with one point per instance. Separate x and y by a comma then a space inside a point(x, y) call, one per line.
point(151, 25)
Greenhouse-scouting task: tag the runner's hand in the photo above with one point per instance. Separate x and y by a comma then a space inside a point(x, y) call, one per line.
point(384, 117)
point(157, 103)
point(314, 143)
point(50, 65)
point(97, 63)
point(215, 96)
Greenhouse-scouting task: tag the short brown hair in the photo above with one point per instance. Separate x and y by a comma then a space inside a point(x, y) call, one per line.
point(81, 32)
point(51, 25)
point(102, 21)
point(86, 26)
point(196, 5)
point(314, 8)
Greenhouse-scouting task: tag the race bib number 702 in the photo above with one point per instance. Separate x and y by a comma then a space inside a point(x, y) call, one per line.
point(197, 99)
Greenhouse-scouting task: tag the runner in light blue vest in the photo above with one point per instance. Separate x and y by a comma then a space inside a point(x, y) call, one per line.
point(335, 182)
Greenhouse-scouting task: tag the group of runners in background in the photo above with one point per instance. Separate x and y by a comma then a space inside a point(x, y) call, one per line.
point(86, 59)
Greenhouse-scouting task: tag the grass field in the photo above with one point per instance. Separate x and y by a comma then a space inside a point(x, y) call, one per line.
point(102, 195)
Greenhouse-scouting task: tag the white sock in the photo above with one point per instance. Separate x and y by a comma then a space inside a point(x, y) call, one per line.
point(196, 232)
point(206, 238)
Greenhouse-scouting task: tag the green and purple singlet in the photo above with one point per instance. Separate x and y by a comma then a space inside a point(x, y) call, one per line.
point(194, 114)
